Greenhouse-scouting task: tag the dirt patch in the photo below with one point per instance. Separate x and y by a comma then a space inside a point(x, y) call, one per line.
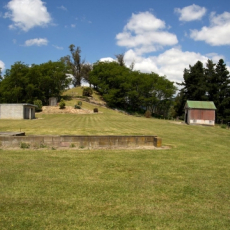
point(67, 109)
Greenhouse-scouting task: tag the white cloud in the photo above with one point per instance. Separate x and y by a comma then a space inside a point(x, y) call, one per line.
point(145, 33)
point(73, 25)
point(218, 33)
point(62, 8)
point(27, 14)
point(191, 13)
point(2, 65)
point(58, 47)
point(107, 59)
point(36, 42)
point(171, 63)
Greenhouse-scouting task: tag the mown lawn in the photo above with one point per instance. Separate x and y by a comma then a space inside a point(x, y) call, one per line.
point(185, 187)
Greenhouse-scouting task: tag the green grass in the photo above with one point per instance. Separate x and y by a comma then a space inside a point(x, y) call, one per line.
point(185, 187)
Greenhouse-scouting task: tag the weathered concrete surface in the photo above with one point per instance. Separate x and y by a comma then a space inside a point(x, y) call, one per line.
point(82, 141)
point(12, 133)
point(17, 111)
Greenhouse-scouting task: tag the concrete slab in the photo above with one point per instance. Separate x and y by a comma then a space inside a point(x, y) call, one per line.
point(12, 133)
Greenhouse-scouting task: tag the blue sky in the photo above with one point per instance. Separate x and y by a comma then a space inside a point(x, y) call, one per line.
point(160, 36)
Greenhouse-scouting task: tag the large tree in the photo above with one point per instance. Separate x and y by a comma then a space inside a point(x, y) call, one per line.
point(223, 93)
point(79, 69)
point(195, 83)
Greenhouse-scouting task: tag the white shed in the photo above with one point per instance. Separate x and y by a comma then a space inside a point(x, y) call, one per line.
point(17, 111)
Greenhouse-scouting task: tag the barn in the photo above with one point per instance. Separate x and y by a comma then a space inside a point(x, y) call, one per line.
point(199, 113)
point(17, 111)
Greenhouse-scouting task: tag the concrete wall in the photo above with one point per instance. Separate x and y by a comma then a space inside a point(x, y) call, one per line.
point(17, 111)
point(82, 141)
point(11, 111)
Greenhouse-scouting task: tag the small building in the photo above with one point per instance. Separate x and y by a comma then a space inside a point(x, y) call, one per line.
point(53, 101)
point(17, 111)
point(200, 113)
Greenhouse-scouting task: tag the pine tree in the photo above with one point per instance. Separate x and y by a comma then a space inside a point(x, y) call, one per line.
point(223, 92)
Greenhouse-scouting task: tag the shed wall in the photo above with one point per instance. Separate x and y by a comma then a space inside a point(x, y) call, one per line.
point(199, 116)
point(11, 111)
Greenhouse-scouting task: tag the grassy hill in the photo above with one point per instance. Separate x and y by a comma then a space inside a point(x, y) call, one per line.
point(185, 187)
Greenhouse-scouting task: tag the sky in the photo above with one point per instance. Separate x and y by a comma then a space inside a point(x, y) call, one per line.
point(164, 36)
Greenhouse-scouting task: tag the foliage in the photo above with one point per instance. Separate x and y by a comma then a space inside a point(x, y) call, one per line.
point(24, 84)
point(206, 84)
point(95, 110)
point(78, 68)
point(62, 104)
point(87, 92)
point(79, 103)
point(38, 103)
point(24, 145)
point(131, 90)
point(223, 126)
point(148, 114)
point(77, 107)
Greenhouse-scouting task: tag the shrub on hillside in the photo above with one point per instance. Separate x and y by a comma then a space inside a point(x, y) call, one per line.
point(88, 92)
point(62, 104)
point(77, 107)
point(38, 103)
point(95, 110)
point(79, 103)
point(148, 114)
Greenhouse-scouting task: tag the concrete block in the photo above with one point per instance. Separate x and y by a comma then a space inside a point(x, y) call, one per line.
point(157, 142)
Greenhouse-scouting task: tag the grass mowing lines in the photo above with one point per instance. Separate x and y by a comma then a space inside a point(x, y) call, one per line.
point(118, 189)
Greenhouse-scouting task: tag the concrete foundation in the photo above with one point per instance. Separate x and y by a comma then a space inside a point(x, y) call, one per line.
point(81, 141)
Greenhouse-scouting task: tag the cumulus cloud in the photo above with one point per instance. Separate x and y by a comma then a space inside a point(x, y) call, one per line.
point(36, 42)
point(2, 65)
point(27, 14)
point(218, 33)
point(190, 13)
point(145, 33)
point(170, 63)
point(107, 59)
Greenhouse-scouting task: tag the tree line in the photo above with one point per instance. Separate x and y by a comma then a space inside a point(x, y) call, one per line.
point(209, 83)
point(120, 86)
point(24, 84)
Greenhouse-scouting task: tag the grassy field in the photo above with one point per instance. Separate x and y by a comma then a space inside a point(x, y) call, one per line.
point(185, 187)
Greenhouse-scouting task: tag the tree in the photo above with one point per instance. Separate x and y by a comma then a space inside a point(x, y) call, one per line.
point(78, 68)
point(24, 84)
point(127, 89)
point(211, 81)
point(223, 93)
point(195, 83)
point(120, 59)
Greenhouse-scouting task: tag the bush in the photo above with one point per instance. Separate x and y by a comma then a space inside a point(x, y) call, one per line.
point(24, 145)
point(62, 104)
point(77, 107)
point(79, 103)
point(223, 126)
point(38, 103)
point(88, 92)
point(95, 110)
point(148, 114)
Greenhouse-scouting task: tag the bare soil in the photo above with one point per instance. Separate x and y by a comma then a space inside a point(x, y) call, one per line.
point(67, 109)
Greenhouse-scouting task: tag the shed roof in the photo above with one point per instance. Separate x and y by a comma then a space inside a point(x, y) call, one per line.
point(200, 105)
